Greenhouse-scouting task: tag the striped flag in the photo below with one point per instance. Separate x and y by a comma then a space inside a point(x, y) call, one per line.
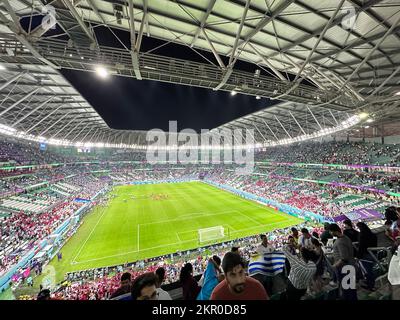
point(268, 264)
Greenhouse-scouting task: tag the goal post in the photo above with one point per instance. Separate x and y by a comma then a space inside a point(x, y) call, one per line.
point(211, 234)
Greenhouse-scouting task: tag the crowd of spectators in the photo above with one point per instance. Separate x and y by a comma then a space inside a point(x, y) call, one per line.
point(20, 230)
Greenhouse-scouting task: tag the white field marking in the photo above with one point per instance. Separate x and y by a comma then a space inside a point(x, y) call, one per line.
point(167, 245)
point(231, 227)
point(177, 235)
point(184, 217)
point(138, 237)
point(245, 215)
point(90, 234)
point(267, 225)
point(134, 251)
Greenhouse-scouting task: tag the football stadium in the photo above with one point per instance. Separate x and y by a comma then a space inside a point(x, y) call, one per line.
point(200, 150)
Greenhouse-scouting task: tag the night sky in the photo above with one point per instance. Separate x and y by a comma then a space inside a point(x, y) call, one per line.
point(126, 103)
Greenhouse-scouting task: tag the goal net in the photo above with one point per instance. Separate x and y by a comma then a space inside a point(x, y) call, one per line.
point(210, 234)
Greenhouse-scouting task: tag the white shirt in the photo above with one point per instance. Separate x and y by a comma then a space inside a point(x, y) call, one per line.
point(163, 295)
point(304, 242)
point(262, 250)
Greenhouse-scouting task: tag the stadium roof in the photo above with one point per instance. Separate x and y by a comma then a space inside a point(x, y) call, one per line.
point(348, 51)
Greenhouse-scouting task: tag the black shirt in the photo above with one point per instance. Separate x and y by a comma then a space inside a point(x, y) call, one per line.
point(325, 236)
point(352, 234)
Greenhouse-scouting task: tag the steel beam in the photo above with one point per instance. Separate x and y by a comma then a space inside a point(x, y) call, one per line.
point(32, 111)
point(134, 51)
point(19, 101)
point(203, 21)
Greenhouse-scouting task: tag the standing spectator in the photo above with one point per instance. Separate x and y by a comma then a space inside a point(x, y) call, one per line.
point(305, 239)
point(295, 234)
point(320, 263)
point(343, 255)
point(125, 286)
point(144, 287)
point(210, 278)
point(301, 273)
point(326, 235)
point(162, 294)
point(264, 247)
point(349, 231)
point(237, 286)
point(190, 287)
point(366, 239)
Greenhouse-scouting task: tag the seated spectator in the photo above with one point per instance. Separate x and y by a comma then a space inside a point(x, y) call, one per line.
point(301, 273)
point(162, 294)
point(125, 286)
point(190, 287)
point(144, 287)
point(349, 231)
point(237, 286)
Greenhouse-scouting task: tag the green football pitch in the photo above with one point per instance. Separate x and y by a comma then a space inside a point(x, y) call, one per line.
point(144, 221)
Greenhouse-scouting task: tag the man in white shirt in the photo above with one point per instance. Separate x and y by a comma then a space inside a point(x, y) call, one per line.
point(162, 294)
point(305, 239)
point(264, 247)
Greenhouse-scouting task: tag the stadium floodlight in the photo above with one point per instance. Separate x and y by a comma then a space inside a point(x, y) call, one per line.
point(370, 120)
point(397, 93)
point(258, 97)
point(2, 67)
point(366, 127)
point(102, 72)
point(233, 93)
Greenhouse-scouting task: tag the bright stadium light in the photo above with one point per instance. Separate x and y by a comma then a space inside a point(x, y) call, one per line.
point(258, 97)
point(233, 93)
point(363, 115)
point(2, 67)
point(366, 127)
point(397, 93)
point(102, 72)
point(370, 120)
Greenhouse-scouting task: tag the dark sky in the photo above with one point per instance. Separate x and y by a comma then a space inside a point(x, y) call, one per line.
point(127, 103)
